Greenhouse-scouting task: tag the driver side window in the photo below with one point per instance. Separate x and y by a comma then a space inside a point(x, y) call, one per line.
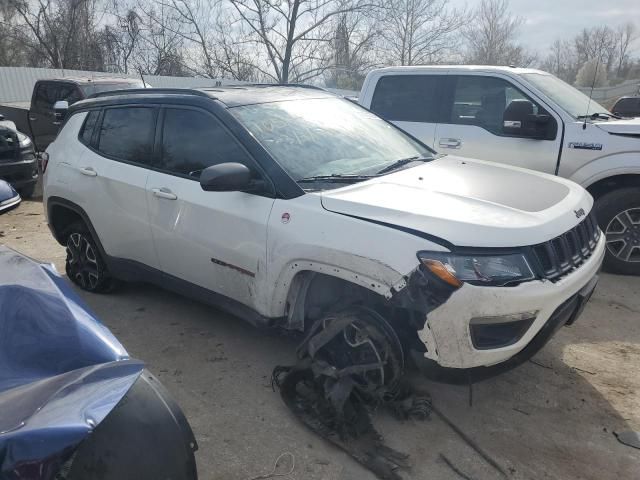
point(193, 140)
point(490, 103)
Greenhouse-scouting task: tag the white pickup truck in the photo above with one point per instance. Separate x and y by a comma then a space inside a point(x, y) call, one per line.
point(527, 118)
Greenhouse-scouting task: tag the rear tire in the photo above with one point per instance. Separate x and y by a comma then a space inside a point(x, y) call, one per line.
point(618, 215)
point(84, 265)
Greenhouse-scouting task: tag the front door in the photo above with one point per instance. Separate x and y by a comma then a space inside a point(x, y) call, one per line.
point(216, 240)
point(478, 124)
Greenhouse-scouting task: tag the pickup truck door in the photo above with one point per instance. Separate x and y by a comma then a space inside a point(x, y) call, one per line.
point(42, 119)
point(482, 119)
point(411, 102)
point(215, 240)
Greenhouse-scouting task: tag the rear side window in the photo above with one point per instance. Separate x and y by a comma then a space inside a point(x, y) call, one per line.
point(70, 93)
point(127, 134)
point(89, 125)
point(194, 140)
point(46, 95)
point(407, 98)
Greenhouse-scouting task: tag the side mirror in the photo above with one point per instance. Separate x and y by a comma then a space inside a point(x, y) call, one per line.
point(1, 117)
point(226, 177)
point(60, 111)
point(520, 121)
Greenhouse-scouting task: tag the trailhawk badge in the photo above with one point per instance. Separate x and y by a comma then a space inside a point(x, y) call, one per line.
point(585, 146)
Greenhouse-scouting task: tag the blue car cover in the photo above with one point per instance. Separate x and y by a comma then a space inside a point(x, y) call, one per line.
point(61, 371)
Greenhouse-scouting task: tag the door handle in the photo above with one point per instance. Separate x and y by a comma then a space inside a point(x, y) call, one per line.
point(450, 143)
point(89, 172)
point(32, 119)
point(165, 193)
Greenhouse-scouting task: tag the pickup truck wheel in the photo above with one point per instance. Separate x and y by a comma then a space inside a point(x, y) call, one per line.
point(618, 215)
point(84, 265)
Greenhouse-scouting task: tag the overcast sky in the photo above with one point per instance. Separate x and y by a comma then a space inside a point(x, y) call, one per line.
point(546, 20)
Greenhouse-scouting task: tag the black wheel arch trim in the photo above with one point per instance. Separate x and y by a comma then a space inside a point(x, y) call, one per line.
point(53, 202)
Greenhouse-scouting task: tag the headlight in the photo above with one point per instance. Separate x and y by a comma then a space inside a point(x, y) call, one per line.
point(23, 140)
point(481, 269)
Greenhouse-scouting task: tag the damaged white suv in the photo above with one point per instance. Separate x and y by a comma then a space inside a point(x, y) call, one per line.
point(292, 207)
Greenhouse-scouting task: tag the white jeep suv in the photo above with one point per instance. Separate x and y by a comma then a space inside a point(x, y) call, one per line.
point(287, 204)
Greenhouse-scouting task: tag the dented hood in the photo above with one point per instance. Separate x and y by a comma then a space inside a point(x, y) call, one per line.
point(626, 126)
point(467, 202)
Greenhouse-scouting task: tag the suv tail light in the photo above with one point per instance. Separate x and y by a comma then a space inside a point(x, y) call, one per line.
point(44, 161)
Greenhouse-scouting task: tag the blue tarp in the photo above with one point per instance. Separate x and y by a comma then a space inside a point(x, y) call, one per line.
point(61, 370)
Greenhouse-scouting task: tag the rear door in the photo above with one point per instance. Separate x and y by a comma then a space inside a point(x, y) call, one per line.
point(412, 102)
point(216, 240)
point(111, 179)
point(477, 118)
point(41, 116)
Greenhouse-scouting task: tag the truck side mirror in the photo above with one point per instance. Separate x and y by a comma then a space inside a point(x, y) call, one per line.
point(60, 109)
point(520, 121)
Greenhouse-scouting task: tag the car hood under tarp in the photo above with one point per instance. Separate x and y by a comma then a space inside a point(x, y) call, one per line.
point(467, 203)
point(61, 370)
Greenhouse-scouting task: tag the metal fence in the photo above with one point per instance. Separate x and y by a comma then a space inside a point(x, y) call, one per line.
point(16, 83)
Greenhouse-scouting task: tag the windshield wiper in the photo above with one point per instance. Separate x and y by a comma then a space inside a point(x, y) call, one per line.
point(594, 116)
point(344, 178)
point(402, 162)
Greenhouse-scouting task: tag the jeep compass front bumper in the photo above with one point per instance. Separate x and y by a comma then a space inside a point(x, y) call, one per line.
point(482, 330)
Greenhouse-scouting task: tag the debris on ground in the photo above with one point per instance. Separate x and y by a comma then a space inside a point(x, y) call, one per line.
point(349, 365)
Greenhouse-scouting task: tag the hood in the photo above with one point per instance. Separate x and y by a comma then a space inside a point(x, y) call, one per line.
point(626, 126)
point(467, 202)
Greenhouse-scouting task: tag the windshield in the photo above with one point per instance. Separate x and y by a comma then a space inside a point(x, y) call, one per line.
point(327, 136)
point(570, 99)
point(107, 87)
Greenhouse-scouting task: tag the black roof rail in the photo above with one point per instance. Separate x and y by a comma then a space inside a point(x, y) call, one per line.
point(249, 85)
point(140, 91)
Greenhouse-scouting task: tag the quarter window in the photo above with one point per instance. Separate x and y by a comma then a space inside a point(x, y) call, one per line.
point(407, 98)
point(193, 140)
point(70, 93)
point(88, 127)
point(46, 95)
point(127, 134)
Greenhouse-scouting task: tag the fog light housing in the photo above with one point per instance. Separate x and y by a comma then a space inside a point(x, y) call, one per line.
point(499, 331)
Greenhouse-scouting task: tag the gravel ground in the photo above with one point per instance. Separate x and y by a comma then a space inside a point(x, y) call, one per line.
point(552, 418)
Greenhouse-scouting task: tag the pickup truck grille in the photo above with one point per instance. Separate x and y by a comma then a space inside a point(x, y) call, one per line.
point(8, 145)
point(559, 256)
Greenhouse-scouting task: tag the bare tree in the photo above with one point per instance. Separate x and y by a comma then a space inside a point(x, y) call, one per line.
point(491, 36)
point(420, 31)
point(352, 52)
point(561, 60)
point(61, 32)
point(293, 33)
point(596, 43)
point(625, 35)
point(592, 73)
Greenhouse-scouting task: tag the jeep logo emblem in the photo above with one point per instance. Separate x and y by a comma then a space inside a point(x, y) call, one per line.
point(579, 213)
